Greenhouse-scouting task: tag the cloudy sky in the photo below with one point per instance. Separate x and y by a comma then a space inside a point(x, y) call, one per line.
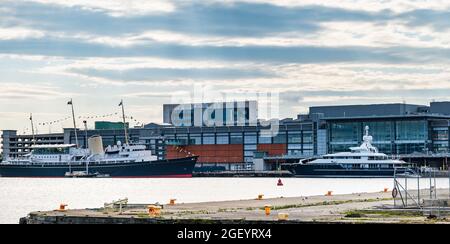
point(311, 52)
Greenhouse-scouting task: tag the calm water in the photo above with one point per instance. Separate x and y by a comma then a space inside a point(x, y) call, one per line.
point(19, 196)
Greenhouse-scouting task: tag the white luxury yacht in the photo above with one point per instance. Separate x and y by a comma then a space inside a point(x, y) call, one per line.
point(362, 161)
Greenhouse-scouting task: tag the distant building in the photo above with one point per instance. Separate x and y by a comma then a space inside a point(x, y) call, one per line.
point(15, 145)
point(107, 125)
point(242, 113)
point(440, 108)
point(393, 134)
point(398, 129)
point(367, 110)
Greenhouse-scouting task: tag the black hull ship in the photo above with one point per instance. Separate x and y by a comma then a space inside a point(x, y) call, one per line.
point(127, 161)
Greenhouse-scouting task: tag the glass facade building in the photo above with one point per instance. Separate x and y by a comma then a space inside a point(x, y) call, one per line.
point(392, 135)
point(397, 129)
point(239, 144)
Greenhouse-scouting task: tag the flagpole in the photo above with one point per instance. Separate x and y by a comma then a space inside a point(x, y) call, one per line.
point(124, 122)
point(74, 122)
point(32, 129)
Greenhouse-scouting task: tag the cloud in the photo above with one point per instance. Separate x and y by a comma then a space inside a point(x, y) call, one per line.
point(17, 91)
point(116, 8)
point(438, 19)
point(193, 18)
point(312, 52)
point(397, 6)
point(157, 95)
point(158, 74)
point(19, 33)
point(299, 54)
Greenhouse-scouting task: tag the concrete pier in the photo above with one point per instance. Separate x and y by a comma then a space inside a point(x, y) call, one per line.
point(350, 208)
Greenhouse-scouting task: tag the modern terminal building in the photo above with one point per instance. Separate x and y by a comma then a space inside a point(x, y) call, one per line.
point(416, 133)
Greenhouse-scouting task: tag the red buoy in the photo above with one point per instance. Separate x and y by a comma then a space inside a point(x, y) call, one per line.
point(280, 183)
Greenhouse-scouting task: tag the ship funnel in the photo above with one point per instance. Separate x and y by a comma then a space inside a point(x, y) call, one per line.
point(96, 145)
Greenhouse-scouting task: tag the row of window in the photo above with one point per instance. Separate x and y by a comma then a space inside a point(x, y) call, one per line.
point(368, 166)
point(357, 157)
point(299, 137)
point(404, 148)
point(381, 131)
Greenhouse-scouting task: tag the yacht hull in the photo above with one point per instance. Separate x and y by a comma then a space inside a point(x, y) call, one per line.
point(181, 167)
point(338, 171)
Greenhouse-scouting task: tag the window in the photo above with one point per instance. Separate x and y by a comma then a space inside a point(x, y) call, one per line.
point(195, 139)
point(222, 138)
point(236, 138)
point(295, 146)
point(345, 132)
point(381, 131)
point(249, 147)
point(265, 139)
point(411, 130)
point(308, 146)
point(248, 153)
point(307, 137)
point(440, 135)
point(182, 136)
point(208, 139)
point(440, 147)
point(250, 138)
point(280, 138)
point(341, 147)
point(384, 148)
point(408, 148)
point(294, 137)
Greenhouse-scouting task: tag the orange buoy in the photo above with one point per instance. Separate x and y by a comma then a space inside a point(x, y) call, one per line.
point(280, 183)
point(62, 207)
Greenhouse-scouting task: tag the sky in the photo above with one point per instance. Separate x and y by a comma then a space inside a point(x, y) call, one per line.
point(309, 52)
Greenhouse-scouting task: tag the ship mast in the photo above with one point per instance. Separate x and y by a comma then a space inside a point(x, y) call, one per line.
point(85, 133)
point(124, 122)
point(74, 121)
point(32, 129)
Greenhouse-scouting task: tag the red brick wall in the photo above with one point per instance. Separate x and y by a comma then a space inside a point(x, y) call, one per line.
point(272, 149)
point(209, 153)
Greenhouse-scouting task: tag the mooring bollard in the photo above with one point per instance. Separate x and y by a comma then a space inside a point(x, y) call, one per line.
point(267, 209)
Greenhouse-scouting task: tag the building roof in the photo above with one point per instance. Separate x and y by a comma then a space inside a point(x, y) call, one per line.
point(405, 116)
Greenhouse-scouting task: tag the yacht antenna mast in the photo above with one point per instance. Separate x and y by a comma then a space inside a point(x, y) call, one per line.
point(124, 122)
point(74, 121)
point(366, 130)
point(32, 129)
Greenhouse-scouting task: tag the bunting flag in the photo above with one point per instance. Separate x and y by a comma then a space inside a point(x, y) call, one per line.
point(121, 103)
point(132, 119)
point(69, 102)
